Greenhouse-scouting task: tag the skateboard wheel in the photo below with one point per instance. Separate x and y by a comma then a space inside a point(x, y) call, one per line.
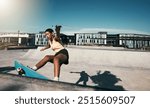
point(20, 71)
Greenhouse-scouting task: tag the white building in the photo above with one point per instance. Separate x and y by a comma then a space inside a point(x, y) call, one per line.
point(17, 38)
point(134, 40)
point(91, 38)
point(40, 39)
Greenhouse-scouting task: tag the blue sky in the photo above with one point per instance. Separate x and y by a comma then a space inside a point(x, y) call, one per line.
point(113, 16)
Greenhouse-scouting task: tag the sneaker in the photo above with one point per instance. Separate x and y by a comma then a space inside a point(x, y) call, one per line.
point(31, 68)
point(56, 79)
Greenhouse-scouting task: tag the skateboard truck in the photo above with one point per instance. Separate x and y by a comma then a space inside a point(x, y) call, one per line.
point(20, 71)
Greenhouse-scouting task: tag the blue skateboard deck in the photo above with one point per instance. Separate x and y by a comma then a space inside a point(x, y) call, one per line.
point(28, 72)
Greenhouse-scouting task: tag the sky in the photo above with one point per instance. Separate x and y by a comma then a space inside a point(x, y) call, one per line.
point(113, 16)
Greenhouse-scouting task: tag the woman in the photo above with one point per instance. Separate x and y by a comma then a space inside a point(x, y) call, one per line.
point(61, 56)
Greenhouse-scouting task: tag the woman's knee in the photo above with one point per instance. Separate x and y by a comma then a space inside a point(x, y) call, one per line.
point(56, 59)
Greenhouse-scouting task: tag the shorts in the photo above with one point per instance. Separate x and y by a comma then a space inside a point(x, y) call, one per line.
point(64, 52)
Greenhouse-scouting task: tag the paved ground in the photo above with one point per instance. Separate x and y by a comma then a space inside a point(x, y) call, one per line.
point(17, 83)
point(106, 67)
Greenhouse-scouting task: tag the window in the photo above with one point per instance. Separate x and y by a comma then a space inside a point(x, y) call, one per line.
point(93, 36)
point(42, 39)
point(5, 39)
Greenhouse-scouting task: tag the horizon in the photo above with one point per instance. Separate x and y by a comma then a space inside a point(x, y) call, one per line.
point(72, 33)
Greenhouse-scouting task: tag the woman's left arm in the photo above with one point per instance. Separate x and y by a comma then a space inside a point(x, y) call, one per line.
point(57, 29)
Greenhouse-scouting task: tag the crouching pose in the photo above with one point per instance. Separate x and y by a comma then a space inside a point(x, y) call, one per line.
point(61, 54)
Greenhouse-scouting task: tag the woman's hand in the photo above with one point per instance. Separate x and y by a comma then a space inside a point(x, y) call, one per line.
point(44, 48)
point(57, 28)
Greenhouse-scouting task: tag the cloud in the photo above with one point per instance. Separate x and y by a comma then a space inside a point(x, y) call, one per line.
point(108, 30)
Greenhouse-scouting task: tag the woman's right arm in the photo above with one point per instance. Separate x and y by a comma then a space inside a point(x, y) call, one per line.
point(46, 47)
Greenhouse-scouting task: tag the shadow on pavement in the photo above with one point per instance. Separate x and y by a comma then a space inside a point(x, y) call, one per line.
point(103, 80)
point(17, 87)
point(6, 69)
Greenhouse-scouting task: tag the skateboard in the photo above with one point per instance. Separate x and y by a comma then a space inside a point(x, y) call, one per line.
point(27, 71)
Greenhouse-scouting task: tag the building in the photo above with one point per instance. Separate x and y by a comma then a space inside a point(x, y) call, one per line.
point(40, 39)
point(91, 38)
point(113, 40)
point(127, 40)
point(135, 41)
point(71, 39)
point(26, 39)
point(64, 39)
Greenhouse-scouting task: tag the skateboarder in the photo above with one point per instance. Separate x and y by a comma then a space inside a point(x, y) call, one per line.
point(61, 54)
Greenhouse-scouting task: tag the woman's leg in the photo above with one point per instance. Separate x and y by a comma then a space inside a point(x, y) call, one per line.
point(58, 61)
point(46, 59)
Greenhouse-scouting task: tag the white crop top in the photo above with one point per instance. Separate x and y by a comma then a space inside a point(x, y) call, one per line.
point(55, 46)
